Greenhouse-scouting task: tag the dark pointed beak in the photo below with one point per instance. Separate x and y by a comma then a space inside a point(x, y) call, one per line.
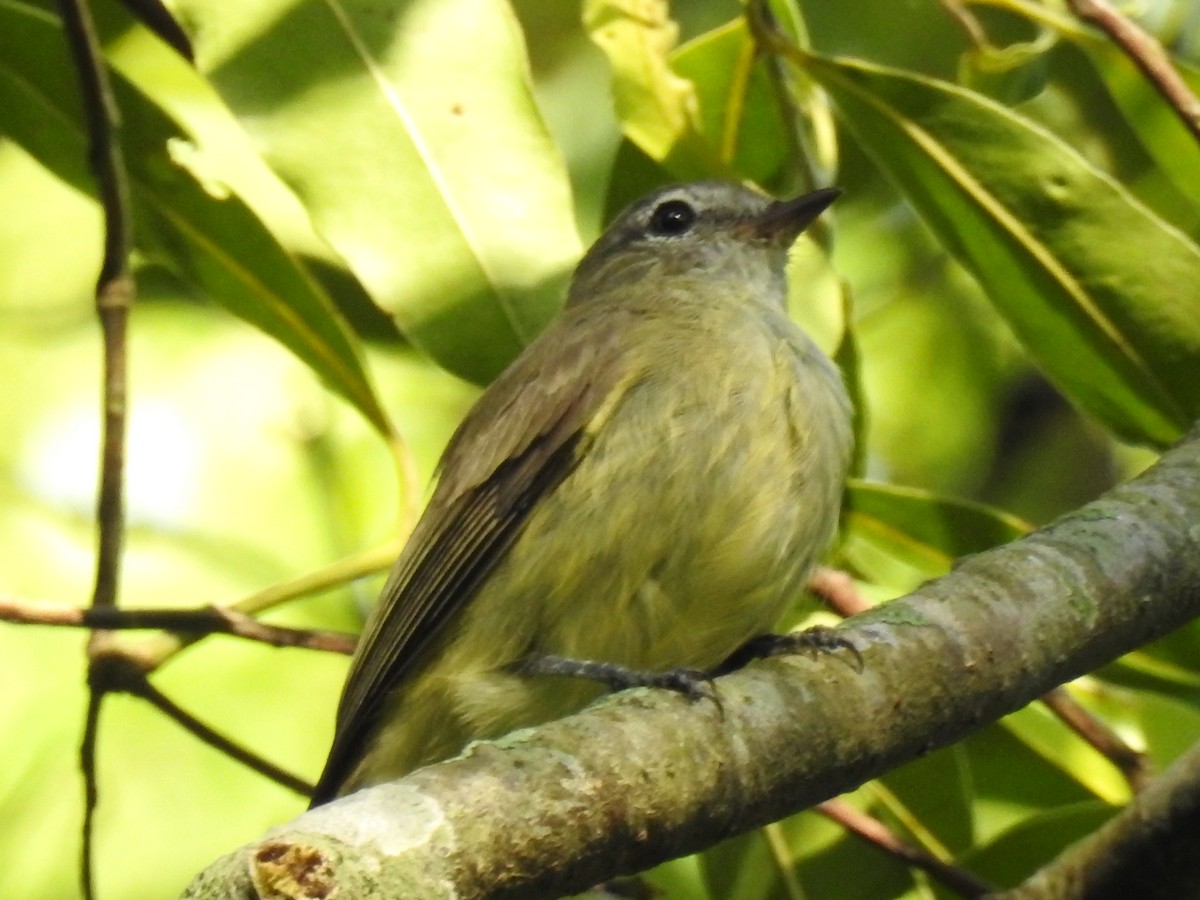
point(784, 220)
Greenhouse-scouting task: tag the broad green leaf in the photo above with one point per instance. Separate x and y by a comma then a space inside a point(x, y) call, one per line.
point(658, 108)
point(1157, 125)
point(1027, 846)
point(739, 113)
point(709, 108)
point(942, 822)
point(409, 133)
point(1102, 292)
point(1166, 139)
point(990, 757)
point(887, 526)
point(209, 235)
point(1047, 736)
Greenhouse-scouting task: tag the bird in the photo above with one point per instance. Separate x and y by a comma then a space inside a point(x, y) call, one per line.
point(635, 500)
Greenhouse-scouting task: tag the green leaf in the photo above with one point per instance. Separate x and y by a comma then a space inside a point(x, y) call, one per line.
point(1021, 850)
point(888, 526)
point(711, 108)
point(1102, 292)
point(208, 234)
point(1157, 125)
point(658, 108)
point(409, 133)
point(739, 114)
point(1046, 735)
point(848, 357)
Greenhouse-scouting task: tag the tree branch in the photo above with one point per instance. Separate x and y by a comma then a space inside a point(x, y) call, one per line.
point(647, 776)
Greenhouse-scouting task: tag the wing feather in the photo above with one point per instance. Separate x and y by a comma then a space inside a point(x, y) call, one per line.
point(516, 445)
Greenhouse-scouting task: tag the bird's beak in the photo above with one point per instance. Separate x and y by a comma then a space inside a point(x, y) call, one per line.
point(783, 221)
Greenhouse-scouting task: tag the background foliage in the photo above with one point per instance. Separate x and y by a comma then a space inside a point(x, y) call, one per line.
point(348, 214)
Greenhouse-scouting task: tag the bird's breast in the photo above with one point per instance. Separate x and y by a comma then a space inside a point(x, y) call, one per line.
point(693, 516)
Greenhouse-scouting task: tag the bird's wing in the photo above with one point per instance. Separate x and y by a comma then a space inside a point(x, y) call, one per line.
point(515, 446)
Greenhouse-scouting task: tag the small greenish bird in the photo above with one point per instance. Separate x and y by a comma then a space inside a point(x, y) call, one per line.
point(635, 499)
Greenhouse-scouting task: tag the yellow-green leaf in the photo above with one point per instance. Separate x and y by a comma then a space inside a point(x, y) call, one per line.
point(409, 132)
point(1101, 291)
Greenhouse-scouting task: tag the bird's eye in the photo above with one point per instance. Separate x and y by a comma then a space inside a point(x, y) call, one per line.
point(674, 217)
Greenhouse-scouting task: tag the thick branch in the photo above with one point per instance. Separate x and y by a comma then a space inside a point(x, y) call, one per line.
point(647, 776)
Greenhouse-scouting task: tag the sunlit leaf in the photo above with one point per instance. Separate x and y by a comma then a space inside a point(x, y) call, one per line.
point(209, 235)
point(711, 107)
point(658, 108)
point(1101, 291)
point(1157, 125)
point(1024, 848)
point(1047, 736)
point(409, 133)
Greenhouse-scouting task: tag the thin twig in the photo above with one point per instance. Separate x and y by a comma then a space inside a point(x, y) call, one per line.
point(199, 621)
point(87, 764)
point(114, 295)
point(1133, 764)
point(219, 742)
point(965, 19)
point(838, 590)
point(116, 673)
point(879, 835)
point(1148, 55)
point(114, 287)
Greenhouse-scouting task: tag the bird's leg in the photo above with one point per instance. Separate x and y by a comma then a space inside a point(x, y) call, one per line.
point(812, 641)
point(692, 683)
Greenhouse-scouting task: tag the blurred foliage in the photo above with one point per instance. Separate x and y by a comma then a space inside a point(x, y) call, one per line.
point(392, 196)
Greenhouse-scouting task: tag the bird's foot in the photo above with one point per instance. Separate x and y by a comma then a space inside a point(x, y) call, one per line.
point(692, 683)
point(811, 641)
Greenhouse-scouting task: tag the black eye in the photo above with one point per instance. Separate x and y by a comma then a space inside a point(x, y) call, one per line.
point(672, 218)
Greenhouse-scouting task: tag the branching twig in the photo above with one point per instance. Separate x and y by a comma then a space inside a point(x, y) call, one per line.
point(114, 294)
point(1148, 55)
point(116, 673)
